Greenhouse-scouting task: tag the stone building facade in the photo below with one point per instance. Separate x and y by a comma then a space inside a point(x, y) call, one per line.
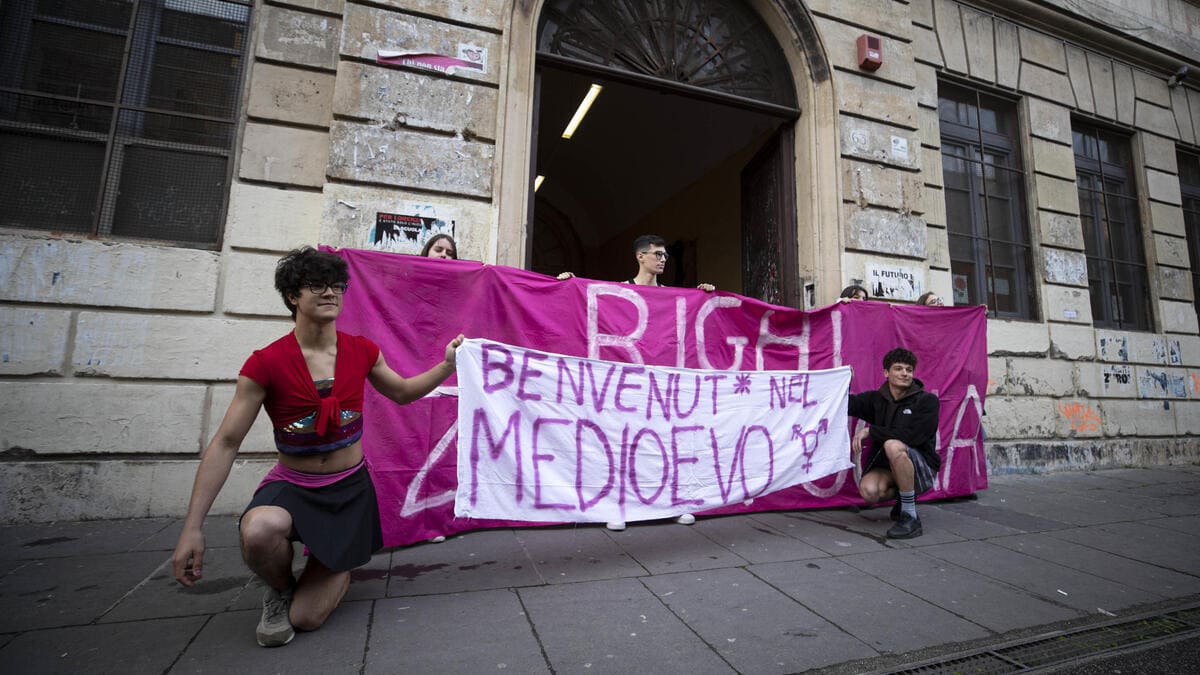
point(118, 351)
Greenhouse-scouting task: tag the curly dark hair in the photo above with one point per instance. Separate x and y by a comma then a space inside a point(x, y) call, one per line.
point(307, 265)
point(899, 355)
point(437, 237)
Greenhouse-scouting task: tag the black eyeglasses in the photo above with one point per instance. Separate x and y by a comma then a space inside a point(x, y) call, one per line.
point(661, 255)
point(338, 287)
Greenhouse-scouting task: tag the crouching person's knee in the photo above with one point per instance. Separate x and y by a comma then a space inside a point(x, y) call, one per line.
point(308, 618)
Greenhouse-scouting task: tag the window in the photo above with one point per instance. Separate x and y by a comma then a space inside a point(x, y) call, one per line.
point(1112, 233)
point(117, 116)
point(1189, 186)
point(985, 202)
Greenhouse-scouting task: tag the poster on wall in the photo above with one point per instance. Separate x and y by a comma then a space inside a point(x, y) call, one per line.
point(894, 282)
point(407, 232)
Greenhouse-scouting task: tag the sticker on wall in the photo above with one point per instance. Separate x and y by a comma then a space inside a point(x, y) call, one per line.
point(1117, 380)
point(1174, 353)
point(1114, 348)
point(1160, 383)
point(894, 282)
point(407, 232)
point(961, 294)
point(899, 147)
point(473, 54)
point(436, 62)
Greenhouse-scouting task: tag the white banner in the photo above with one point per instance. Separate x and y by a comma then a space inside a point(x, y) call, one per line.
point(544, 437)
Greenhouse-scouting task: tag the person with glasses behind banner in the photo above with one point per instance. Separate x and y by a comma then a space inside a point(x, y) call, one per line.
point(650, 250)
point(320, 492)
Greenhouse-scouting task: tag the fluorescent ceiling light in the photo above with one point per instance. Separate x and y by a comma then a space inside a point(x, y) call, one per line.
point(537, 182)
point(584, 105)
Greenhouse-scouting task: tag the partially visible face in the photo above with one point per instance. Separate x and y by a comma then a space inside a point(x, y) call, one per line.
point(322, 306)
point(859, 295)
point(442, 248)
point(653, 259)
point(899, 375)
point(934, 300)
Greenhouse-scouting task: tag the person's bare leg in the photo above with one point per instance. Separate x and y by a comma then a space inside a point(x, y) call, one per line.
point(902, 467)
point(265, 546)
point(318, 593)
point(877, 486)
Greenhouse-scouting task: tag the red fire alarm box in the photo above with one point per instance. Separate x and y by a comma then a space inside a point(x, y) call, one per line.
point(870, 52)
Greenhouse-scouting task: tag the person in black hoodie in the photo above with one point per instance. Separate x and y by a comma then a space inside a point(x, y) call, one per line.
point(903, 460)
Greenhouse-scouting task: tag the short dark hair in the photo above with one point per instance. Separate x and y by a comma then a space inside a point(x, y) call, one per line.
point(646, 241)
point(307, 265)
point(434, 239)
point(849, 291)
point(899, 355)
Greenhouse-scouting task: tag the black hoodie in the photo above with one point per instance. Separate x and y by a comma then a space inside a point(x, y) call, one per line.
point(913, 419)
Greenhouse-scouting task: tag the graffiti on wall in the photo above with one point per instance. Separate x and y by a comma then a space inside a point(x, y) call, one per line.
point(1081, 417)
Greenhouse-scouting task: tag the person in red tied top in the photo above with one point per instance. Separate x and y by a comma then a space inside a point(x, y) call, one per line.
point(320, 493)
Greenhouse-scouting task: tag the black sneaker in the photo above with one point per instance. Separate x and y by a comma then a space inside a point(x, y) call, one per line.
point(905, 528)
point(896, 511)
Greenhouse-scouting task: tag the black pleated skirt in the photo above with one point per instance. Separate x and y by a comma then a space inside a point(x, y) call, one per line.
point(339, 523)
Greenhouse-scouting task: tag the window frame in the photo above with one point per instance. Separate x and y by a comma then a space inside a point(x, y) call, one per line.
point(128, 110)
point(1106, 173)
point(1190, 205)
point(978, 143)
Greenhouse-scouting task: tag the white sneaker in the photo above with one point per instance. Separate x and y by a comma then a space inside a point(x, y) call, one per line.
point(686, 519)
point(274, 628)
point(437, 540)
point(615, 525)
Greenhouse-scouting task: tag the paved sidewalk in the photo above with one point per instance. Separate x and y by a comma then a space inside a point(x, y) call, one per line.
point(762, 593)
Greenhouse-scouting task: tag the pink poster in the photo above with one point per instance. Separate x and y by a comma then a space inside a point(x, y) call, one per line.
point(413, 306)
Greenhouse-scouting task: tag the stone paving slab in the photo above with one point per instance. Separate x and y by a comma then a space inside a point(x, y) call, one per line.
point(831, 540)
point(998, 607)
point(1148, 476)
point(753, 626)
point(69, 591)
point(572, 554)
point(879, 614)
point(1001, 515)
point(874, 524)
point(1158, 546)
point(755, 541)
point(226, 644)
point(424, 634)
point(481, 560)
point(1140, 575)
point(1179, 505)
point(668, 547)
point(1184, 524)
point(219, 531)
point(615, 626)
point(1084, 508)
point(1050, 581)
point(962, 525)
point(119, 648)
point(160, 596)
point(370, 581)
point(54, 540)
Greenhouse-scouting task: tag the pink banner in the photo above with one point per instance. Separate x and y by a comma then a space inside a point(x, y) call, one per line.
point(413, 306)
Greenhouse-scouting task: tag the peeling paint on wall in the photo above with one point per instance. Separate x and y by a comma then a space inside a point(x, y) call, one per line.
point(1160, 383)
point(1114, 348)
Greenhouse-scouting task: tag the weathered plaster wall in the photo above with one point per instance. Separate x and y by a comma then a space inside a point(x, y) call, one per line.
point(118, 358)
point(1084, 397)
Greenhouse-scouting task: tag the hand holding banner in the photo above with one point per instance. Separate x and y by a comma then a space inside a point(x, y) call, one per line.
point(547, 437)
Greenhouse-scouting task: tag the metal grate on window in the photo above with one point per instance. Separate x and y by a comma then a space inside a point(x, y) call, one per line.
point(117, 117)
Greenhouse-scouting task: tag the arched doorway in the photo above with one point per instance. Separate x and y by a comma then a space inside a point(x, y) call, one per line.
point(690, 137)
